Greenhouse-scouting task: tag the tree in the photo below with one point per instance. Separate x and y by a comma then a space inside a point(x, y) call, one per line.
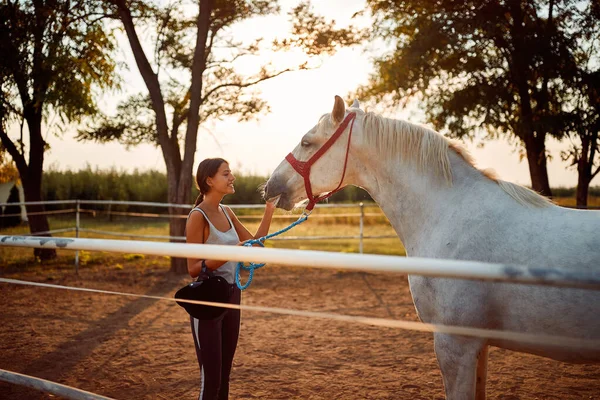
point(54, 55)
point(583, 132)
point(584, 124)
point(201, 58)
point(498, 66)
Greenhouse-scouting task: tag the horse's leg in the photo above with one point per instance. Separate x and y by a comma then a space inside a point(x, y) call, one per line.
point(481, 373)
point(457, 357)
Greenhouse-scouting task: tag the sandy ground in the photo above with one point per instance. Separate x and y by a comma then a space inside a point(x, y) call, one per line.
point(129, 348)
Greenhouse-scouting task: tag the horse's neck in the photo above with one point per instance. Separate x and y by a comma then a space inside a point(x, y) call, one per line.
point(417, 203)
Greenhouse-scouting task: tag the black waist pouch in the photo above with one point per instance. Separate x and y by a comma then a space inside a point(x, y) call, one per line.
point(211, 288)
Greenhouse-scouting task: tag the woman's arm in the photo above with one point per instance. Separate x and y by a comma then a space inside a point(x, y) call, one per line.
point(265, 223)
point(263, 228)
point(197, 232)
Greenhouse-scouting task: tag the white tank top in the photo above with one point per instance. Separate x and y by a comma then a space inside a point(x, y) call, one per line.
point(229, 237)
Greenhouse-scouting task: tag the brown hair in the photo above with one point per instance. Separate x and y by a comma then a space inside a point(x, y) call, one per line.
point(208, 168)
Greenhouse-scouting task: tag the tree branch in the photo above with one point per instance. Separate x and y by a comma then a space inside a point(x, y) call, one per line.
point(13, 151)
point(593, 144)
point(15, 67)
point(150, 78)
point(10, 107)
point(203, 23)
point(243, 85)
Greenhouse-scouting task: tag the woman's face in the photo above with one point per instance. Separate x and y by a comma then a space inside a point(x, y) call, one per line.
point(223, 180)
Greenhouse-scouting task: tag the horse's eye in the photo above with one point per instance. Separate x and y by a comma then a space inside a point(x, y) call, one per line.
point(305, 143)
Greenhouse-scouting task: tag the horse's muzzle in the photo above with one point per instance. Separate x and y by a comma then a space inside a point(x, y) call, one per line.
point(273, 189)
point(276, 189)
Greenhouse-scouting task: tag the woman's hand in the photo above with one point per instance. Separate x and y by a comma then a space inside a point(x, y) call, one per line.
point(270, 205)
point(246, 241)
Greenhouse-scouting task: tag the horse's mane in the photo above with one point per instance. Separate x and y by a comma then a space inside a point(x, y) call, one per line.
point(429, 151)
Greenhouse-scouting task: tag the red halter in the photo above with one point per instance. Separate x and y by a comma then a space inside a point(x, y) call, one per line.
point(303, 167)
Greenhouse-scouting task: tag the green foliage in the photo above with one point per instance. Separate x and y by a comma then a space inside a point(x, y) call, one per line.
point(247, 190)
point(151, 186)
point(350, 194)
point(122, 127)
point(491, 68)
point(8, 171)
point(314, 35)
point(562, 192)
point(475, 61)
point(88, 184)
point(57, 55)
point(177, 37)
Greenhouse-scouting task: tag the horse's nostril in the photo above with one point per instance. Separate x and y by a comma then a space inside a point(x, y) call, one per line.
point(272, 189)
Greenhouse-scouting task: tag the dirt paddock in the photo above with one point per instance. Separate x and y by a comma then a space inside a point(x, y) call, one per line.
point(129, 348)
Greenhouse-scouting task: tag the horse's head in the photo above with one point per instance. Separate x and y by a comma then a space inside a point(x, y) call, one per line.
point(320, 163)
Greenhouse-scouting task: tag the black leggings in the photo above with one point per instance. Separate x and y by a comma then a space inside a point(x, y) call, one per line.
point(216, 341)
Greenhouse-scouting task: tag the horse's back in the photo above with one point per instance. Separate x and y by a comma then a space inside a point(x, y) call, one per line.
point(566, 238)
point(553, 237)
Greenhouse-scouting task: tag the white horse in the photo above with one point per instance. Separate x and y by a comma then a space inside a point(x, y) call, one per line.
point(441, 206)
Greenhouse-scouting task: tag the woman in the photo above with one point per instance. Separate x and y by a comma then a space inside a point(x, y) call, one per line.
point(213, 223)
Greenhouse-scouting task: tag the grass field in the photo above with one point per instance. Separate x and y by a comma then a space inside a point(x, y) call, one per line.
point(322, 222)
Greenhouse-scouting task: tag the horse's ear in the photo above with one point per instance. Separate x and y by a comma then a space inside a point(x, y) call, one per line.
point(339, 110)
point(356, 104)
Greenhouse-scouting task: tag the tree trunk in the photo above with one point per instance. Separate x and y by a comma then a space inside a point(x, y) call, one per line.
point(179, 172)
point(31, 176)
point(182, 179)
point(179, 193)
point(177, 228)
point(535, 146)
point(176, 225)
point(32, 186)
point(538, 171)
point(583, 185)
point(584, 171)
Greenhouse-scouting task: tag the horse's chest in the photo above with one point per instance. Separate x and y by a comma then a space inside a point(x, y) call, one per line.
point(424, 297)
point(448, 301)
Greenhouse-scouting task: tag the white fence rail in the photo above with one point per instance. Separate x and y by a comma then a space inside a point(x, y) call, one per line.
point(360, 236)
point(45, 386)
point(322, 259)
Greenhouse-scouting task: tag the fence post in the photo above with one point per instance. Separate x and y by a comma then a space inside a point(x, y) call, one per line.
point(362, 223)
point(77, 235)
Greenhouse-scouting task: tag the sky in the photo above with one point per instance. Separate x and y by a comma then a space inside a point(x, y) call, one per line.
point(296, 101)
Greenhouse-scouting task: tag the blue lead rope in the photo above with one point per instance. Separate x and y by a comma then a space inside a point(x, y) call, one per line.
point(260, 241)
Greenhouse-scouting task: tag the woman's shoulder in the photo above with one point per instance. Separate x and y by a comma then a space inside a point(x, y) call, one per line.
point(228, 210)
point(196, 215)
